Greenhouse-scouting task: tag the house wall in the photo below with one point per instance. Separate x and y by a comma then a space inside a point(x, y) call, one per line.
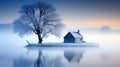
point(78, 40)
point(69, 38)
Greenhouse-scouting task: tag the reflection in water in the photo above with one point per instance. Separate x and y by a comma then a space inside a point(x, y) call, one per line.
point(41, 61)
point(45, 61)
point(73, 56)
point(22, 62)
point(38, 63)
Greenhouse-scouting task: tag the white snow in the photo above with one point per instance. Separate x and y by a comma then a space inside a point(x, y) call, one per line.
point(87, 44)
point(76, 34)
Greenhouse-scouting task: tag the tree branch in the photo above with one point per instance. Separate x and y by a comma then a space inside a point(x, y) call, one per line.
point(46, 34)
point(34, 31)
point(46, 23)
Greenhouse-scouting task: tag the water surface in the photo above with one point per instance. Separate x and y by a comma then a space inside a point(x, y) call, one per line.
point(14, 54)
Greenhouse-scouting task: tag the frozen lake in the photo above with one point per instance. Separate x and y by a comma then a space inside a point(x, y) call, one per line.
point(14, 54)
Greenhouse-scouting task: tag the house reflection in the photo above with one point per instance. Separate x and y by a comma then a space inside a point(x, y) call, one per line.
point(73, 56)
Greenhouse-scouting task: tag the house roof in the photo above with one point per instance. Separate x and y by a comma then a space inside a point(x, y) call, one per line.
point(76, 34)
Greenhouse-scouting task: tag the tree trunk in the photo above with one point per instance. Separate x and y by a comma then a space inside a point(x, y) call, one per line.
point(39, 38)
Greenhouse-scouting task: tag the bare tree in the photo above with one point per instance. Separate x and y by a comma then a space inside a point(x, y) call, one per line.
point(39, 18)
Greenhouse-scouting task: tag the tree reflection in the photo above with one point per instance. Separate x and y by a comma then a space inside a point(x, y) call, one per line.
point(46, 61)
point(38, 63)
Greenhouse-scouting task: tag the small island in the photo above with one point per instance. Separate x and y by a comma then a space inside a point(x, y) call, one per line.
point(71, 39)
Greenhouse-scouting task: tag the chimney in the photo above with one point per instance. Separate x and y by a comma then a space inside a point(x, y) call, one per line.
point(78, 31)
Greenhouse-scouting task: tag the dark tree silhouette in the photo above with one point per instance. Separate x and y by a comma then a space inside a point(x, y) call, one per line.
point(39, 18)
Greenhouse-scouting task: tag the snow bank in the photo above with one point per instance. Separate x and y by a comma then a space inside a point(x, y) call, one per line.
point(87, 44)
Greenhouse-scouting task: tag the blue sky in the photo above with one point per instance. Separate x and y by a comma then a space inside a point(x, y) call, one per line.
point(74, 13)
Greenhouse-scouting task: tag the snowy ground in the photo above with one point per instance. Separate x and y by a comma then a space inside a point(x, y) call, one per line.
point(87, 44)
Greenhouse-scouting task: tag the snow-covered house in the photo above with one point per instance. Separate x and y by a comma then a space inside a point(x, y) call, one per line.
point(73, 37)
